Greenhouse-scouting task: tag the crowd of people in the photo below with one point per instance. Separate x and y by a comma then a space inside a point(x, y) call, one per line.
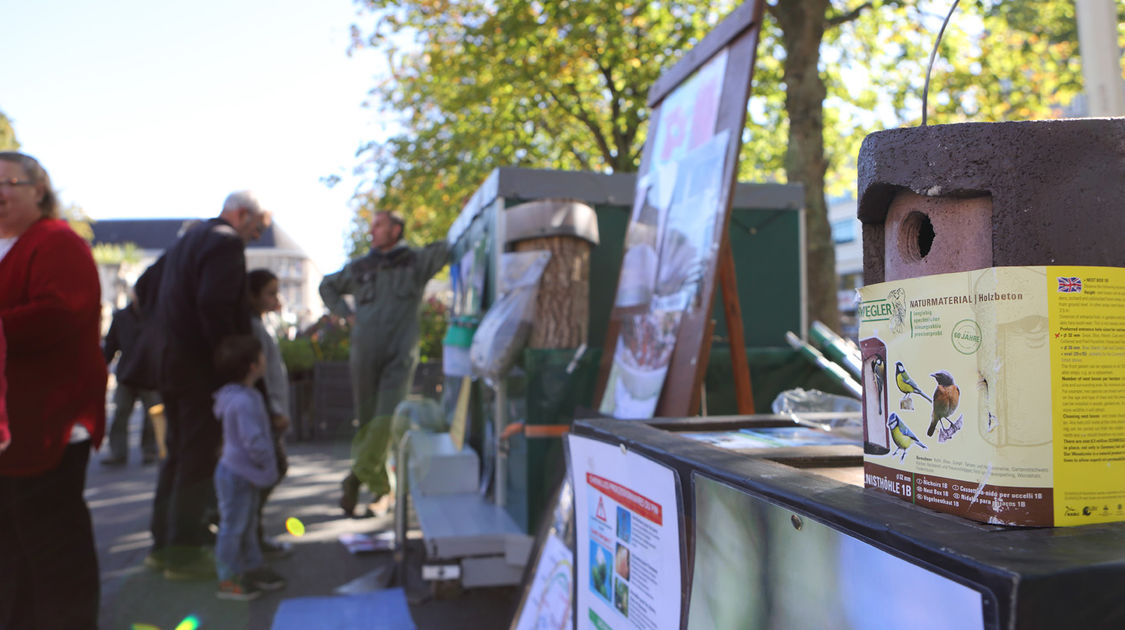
point(193, 349)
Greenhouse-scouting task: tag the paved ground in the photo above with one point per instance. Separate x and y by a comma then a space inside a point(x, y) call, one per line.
point(120, 502)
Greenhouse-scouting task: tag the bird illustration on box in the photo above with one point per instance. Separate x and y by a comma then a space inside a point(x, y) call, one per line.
point(907, 386)
point(903, 437)
point(879, 375)
point(946, 397)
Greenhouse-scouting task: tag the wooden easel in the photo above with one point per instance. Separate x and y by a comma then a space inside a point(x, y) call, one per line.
point(736, 37)
point(732, 311)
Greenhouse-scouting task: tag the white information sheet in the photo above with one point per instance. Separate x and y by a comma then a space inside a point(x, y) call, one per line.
point(628, 538)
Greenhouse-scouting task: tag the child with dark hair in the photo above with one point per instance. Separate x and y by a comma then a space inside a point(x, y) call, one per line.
point(264, 298)
point(248, 463)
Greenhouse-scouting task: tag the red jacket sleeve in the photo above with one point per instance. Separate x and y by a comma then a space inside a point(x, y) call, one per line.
point(63, 288)
point(4, 433)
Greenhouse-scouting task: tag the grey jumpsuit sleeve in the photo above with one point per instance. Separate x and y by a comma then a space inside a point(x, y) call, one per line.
point(432, 258)
point(334, 287)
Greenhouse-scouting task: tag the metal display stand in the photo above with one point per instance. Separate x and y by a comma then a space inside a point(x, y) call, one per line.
point(467, 538)
point(460, 526)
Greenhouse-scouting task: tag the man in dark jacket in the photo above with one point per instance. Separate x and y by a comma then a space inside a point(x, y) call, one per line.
point(201, 298)
point(124, 331)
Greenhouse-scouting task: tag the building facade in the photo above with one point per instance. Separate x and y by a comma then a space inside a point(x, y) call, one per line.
point(137, 243)
point(847, 237)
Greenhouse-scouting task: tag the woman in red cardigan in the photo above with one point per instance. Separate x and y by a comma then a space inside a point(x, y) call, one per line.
point(50, 309)
point(5, 435)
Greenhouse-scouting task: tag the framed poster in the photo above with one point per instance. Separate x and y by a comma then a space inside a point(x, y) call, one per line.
point(655, 352)
point(673, 240)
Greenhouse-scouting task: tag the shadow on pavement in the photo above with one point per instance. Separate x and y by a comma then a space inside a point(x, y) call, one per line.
point(120, 502)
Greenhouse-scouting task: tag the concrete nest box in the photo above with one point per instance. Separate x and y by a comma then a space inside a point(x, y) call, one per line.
point(948, 198)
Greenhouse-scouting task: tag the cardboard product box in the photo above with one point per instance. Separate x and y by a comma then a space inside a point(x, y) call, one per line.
point(998, 394)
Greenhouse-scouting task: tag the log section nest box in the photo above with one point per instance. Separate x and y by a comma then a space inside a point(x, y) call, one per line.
point(567, 229)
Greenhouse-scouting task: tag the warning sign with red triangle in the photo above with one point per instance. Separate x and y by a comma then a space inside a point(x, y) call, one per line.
point(600, 513)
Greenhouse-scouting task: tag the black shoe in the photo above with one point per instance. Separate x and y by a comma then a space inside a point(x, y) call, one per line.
point(266, 579)
point(200, 568)
point(275, 550)
point(154, 561)
point(350, 487)
point(115, 460)
point(148, 458)
point(373, 508)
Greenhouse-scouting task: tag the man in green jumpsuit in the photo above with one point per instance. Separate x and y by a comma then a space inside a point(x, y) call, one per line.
point(387, 286)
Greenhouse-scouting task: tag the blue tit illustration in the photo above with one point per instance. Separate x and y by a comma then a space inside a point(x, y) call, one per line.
point(906, 385)
point(902, 435)
point(879, 374)
point(946, 397)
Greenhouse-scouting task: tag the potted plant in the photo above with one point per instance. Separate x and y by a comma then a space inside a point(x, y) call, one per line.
point(317, 361)
point(431, 331)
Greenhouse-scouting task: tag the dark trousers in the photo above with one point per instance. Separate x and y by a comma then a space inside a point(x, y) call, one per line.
point(48, 564)
point(185, 502)
point(125, 398)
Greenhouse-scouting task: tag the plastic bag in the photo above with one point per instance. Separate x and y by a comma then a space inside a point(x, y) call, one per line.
point(799, 403)
point(506, 326)
point(417, 413)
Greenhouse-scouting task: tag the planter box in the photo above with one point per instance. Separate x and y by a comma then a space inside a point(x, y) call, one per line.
point(300, 406)
point(333, 412)
point(428, 379)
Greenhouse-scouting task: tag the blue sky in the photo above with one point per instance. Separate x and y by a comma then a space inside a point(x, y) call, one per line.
point(159, 109)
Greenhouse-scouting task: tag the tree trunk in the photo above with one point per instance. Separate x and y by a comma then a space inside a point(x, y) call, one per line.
point(803, 23)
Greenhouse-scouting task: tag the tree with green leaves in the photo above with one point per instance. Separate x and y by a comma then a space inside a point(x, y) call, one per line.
point(113, 254)
point(475, 85)
point(549, 85)
point(8, 140)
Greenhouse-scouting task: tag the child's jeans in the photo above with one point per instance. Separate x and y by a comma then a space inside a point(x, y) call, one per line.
point(236, 548)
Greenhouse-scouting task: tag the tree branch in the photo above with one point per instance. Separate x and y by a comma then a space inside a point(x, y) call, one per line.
point(582, 117)
point(615, 111)
point(583, 161)
point(844, 18)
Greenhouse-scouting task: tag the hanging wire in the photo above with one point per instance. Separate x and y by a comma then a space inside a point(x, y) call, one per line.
point(930, 68)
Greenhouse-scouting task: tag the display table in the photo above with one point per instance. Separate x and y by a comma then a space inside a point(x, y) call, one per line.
point(789, 537)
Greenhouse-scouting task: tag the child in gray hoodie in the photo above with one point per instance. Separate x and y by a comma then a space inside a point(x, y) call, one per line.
point(247, 465)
